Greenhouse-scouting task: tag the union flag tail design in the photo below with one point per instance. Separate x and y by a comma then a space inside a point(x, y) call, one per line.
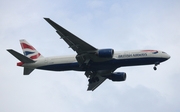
point(29, 50)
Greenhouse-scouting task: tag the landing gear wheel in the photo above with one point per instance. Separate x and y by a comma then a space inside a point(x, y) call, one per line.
point(157, 63)
point(154, 68)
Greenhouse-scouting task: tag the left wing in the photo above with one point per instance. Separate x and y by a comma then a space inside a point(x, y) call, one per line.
point(97, 78)
point(73, 41)
point(85, 51)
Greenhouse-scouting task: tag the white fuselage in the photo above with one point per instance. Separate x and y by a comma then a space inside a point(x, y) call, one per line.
point(123, 58)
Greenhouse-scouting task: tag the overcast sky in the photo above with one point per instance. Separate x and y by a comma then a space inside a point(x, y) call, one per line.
point(121, 25)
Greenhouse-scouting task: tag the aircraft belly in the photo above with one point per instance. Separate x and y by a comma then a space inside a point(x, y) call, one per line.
point(114, 63)
point(60, 67)
point(138, 61)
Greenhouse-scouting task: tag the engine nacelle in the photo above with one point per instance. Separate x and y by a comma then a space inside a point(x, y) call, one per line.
point(117, 76)
point(105, 53)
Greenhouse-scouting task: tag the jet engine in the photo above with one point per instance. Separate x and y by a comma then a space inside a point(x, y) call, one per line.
point(117, 76)
point(105, 53)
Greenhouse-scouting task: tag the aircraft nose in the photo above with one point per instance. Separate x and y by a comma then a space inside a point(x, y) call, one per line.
point(165, 55)
point(168, 56)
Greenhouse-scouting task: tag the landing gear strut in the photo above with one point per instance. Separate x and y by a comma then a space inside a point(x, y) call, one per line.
point(155, 68)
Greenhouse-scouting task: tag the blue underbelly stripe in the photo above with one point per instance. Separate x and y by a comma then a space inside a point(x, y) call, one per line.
point(114, 63)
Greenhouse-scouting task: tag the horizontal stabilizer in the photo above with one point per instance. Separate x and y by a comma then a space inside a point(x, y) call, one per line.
point(20, 57)
point(27, 71)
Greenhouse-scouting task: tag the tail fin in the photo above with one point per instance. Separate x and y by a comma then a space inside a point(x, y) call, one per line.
point(30, 53)
point(29, 50)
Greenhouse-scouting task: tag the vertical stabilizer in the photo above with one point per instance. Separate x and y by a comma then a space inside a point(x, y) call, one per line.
point(29, 50)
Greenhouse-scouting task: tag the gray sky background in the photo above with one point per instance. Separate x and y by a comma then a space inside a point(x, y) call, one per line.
point(122, 25)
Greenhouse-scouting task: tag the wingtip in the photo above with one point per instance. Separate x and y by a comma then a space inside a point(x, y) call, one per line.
point(46, 18)
point(9, 49)
point(90, 89)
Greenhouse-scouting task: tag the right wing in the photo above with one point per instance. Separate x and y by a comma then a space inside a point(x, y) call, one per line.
point(93, 86)
point(97, 78)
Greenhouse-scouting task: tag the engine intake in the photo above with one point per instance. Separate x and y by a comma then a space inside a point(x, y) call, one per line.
point(117, 76)
point(105, 53)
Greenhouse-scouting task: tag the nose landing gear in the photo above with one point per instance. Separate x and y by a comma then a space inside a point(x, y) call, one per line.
point(155, 68)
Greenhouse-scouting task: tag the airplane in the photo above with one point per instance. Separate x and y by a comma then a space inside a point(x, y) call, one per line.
point(98, 64)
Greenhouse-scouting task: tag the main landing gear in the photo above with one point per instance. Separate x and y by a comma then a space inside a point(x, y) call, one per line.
point(155, 68)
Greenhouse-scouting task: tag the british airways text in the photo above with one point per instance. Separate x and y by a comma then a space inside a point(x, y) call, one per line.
point(132, 55)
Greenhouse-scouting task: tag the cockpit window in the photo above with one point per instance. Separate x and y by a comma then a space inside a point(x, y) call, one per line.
point(155, 52)
point(164, 52)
